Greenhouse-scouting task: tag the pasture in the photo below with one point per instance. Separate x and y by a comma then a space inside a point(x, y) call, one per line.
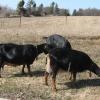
point(83, 34)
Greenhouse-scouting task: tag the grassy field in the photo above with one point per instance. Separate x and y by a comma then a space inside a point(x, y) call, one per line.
point(82, 32)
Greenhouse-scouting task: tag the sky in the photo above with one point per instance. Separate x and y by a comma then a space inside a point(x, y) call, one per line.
point(68, 4)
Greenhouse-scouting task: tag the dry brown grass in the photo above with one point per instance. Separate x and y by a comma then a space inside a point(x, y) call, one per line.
point(40, 26)
point(82, 32)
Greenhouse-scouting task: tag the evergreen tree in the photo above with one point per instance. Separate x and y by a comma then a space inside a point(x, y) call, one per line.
point(56, 11)
point(40, 9)
point(74, 12)
point(31, 6)
point(20, 6)
point(20, 9)
point(52, 7)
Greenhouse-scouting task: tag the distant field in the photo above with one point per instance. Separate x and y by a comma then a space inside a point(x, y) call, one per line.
point(82, 32)
point(40, 26)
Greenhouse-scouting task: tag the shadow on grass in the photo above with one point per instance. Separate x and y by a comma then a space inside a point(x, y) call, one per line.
point(37, 73)
point(83, 83)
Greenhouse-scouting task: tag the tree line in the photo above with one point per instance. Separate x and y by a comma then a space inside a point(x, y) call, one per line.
point(30, 8)
point(86, 12)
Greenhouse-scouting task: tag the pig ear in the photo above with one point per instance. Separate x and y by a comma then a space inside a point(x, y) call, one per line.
point(44, 37)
